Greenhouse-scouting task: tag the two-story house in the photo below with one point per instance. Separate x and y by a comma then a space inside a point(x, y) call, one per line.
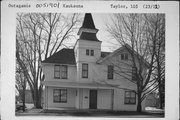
point(84, 77)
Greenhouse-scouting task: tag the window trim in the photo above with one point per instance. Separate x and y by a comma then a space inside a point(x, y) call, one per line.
point(124, 56)
point(60, 72)
point(110, 72)
point(133, 73)
point(92, 52)
point(130, 98)
point(87, 52)
point(60, 96)
point(66, 71)
point(57, 72)
point(84, 70)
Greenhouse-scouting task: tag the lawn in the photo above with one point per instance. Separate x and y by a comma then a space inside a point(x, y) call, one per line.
point(90, 113)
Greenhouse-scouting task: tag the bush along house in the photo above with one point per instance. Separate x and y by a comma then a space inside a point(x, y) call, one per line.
point(84, 77)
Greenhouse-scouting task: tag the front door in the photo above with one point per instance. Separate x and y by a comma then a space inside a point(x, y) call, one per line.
point(93, 99)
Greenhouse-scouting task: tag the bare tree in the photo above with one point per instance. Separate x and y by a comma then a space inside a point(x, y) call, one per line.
point(138, 33)
point(38, 37)
point(159, 73)
point(21, 85)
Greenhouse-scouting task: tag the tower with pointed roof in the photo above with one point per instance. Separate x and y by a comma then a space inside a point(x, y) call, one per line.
point(88, 47)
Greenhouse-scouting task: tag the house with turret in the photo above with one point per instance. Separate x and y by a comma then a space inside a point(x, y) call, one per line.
point(84, 77)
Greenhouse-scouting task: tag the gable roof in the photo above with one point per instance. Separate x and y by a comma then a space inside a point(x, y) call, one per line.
point(64, 56)
point(121, 48)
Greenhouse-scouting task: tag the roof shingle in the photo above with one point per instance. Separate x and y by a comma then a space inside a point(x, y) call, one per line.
point(88, 36)
point(64, 56)
point(88, 21)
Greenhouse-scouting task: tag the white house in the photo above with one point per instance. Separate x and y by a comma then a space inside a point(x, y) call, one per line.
point(84, 78)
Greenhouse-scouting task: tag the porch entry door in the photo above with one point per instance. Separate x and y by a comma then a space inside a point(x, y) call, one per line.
point(93, 99)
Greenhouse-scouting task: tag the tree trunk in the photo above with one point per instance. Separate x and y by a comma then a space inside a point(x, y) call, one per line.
point(160, 103)
point(24, 99)
point(139, 107)
point(37, 98)
point(161, 98)
point(24, 95)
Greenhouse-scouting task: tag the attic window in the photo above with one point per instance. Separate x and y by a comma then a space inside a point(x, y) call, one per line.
point(124, 56)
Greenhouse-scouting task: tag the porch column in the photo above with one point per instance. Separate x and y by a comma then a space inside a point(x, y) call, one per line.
point(44, 98)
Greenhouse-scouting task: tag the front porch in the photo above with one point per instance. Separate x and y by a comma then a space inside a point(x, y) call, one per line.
point(79, 96)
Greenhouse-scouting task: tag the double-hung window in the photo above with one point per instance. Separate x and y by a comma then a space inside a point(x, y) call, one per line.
point(60, 71)
point(87, 52)
point(84, 70)
point(130, 97)
point(110, 72)
point(60, 95)
point(92, 52)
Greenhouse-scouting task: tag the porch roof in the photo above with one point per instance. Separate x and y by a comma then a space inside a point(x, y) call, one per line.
point(76, 85)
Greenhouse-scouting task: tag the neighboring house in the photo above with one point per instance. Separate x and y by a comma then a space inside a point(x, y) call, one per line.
point(28, 97)
point(152, 100)
point(84, 78)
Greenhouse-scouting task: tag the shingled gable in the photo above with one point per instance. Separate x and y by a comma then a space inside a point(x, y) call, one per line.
point(116, 51)
point(88, 30)
point(64, 56)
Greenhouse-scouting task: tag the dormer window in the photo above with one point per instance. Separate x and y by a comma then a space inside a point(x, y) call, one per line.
point(124, 56)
